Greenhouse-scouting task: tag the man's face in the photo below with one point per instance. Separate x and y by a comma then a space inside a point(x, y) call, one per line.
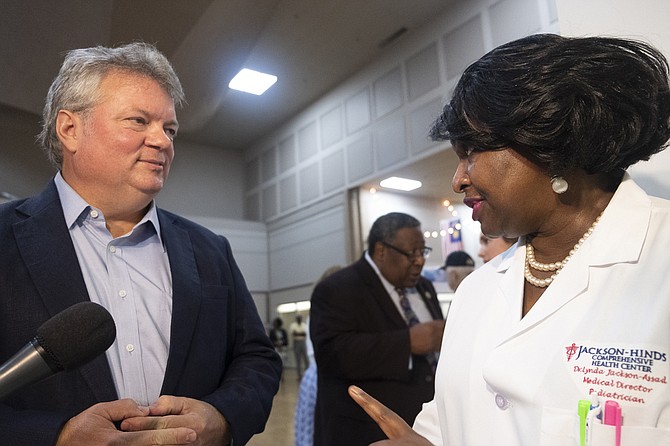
point(124, 145)
point(399, 269)
point(491, 247)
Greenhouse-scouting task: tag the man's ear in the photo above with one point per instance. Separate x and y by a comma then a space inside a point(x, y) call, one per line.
point(68, 126)
point(378, 252)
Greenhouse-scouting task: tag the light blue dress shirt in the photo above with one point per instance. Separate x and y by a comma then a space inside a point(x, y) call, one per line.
point(130, 277)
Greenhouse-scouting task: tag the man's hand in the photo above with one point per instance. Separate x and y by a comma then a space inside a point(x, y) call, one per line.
point(96, 426)
point(426, 337)
point(395, 428)
point(179, 413)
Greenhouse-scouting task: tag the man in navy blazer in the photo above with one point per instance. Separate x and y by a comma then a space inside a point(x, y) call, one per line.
point(364, 335)
point(111, 137)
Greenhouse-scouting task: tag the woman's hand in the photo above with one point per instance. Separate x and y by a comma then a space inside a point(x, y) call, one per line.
point(395, 428)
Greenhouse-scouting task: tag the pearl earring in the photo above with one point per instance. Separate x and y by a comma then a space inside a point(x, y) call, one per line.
point(558, 184)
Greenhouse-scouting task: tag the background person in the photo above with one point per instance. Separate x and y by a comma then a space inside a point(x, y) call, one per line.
point(303, 426)
point(362, 333)
point(457, 266)
point(544, 128)
point(189, 343)
point(489, 247)
point(279, 337)
point(298, 331)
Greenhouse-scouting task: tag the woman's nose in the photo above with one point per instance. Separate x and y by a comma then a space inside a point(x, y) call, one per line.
point(460, 179)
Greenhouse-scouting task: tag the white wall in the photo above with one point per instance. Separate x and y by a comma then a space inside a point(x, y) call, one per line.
point(378, 120)
point(205, 181)
point(643, 20)
point(373, 123)
point(24, 169)
point(299, 252)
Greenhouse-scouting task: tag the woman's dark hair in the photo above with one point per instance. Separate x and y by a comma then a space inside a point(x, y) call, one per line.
point(596, 103)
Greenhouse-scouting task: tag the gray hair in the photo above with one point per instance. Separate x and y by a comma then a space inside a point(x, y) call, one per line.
point(76, 86)
point(385, 228)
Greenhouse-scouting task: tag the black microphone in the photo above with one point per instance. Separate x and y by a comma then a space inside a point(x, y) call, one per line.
point(68, 340)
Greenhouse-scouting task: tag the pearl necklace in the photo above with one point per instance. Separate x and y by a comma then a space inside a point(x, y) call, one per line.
point(531, 262)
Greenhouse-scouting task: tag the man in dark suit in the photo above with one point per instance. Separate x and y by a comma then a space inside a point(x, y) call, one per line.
point(191, 363)
point(376, 324)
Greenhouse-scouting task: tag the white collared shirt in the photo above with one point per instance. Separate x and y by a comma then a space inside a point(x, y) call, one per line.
point(415, 299)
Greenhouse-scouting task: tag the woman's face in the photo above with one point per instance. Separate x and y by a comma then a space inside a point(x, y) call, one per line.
point(509, 195)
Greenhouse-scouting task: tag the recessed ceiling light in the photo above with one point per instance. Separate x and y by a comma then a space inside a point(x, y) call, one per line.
point(400, 183)
point(251, 81)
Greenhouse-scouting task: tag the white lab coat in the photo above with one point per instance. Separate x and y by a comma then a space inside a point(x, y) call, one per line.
point(601, 328)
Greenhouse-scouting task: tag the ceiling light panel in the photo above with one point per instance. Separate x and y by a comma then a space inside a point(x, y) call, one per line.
point(251, 81)
point(398, 183)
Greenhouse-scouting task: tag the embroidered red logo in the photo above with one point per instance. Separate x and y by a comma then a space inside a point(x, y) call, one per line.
point(571, 350)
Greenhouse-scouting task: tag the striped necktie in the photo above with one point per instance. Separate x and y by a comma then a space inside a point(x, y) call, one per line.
point(410, 317)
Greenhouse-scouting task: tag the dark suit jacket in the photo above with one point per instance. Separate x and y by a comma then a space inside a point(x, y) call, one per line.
point(360, 338)
point(219, 351)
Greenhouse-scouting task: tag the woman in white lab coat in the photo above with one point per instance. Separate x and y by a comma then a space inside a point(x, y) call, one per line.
point(579, 310)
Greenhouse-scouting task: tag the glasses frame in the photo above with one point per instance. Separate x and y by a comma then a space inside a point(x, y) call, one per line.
point(425, 252)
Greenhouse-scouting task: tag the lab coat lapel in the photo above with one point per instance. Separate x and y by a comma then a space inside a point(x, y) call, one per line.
point(629, 204)
point(186, 298)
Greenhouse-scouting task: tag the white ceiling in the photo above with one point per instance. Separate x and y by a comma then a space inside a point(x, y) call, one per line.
point(311, 45)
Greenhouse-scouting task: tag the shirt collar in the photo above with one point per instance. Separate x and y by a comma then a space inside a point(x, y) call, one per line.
point(388, 285)
point(74, 206)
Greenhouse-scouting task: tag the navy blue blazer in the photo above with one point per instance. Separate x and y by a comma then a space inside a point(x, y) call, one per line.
point(360, 338)
point(219, 351)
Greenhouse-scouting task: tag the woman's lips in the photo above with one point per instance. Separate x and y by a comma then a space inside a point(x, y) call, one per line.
point(475, 204)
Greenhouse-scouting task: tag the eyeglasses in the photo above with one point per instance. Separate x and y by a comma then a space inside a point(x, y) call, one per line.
point(412, 256)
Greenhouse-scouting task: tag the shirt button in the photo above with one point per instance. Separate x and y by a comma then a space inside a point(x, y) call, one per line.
point(94, 214)
point(501, 402)
point(112, 249)
point(123, 293)
point(130, 348)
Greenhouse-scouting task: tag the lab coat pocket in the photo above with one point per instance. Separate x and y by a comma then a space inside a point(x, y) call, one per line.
point(560, 427)
point(604, 435)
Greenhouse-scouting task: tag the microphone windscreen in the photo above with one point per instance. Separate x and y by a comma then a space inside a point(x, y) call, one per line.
point(76, 335)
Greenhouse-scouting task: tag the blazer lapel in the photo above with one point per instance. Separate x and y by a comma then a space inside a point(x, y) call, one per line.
point(186, 298)
point(46, 247)
point(43, 237)
point(378, 292)
point(429, 298)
